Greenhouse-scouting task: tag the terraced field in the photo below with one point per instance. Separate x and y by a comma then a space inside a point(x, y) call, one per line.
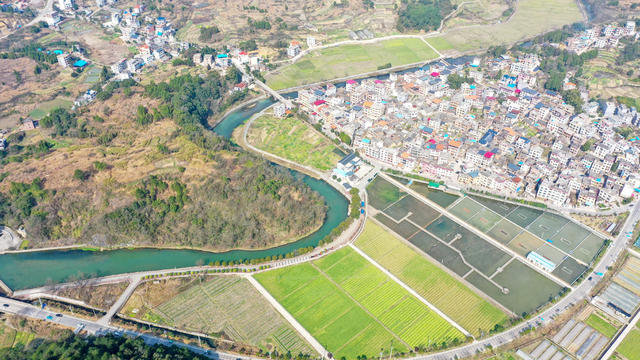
point(449, 295)
point(228, 304)
point(352, 308)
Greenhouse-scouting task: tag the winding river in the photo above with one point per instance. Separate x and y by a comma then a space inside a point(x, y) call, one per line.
point(33, 269)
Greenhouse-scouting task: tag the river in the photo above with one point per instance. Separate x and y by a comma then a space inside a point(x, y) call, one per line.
point(33, 269)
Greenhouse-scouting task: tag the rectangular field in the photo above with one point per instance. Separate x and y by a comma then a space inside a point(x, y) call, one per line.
point(342, 296)
point(440, 252)
point(351, 59)
point(525, 289)
point(523, 216)
point(481, 254)
point(382, 193)
point(449, 295)
point(588, 248)
point(601, 325)
point(524, 243)
point(465, 209)
point(500, 207)
point(569, 270)
point(504, 231)
point(403, 228)
point(630, 346)
point(547, 225)
point(221, 304)
point(439, 197)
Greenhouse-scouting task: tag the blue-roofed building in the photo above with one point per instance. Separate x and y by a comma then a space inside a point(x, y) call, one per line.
point(80, 64)
point(541, 261)
point(487, 138)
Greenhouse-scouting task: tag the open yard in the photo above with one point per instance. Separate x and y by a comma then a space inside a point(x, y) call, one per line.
point(345, 60)
point(445, 292)
point(352, 308)
point(221, 304)
point(293, 139)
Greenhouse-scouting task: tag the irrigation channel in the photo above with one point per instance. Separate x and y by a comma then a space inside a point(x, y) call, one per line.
point(25, 270)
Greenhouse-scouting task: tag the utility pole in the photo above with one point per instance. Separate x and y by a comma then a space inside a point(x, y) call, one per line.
point(391, 351)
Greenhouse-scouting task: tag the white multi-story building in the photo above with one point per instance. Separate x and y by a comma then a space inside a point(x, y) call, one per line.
point(548, 191)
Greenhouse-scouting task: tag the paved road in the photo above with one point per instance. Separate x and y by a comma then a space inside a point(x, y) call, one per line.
point(23, 309)
point(264, 86)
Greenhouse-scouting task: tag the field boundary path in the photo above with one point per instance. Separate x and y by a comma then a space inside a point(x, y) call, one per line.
point(299, 328)
point(411, 291)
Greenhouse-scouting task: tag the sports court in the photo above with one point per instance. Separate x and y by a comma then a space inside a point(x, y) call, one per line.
point(484, 220)
point(569, 270)
point(499, 207)
point(465, 209)
point(524, 243)
point(588, 248)
point(569, 237)
point(547, 225)
point(504, 231)
point(481, 254)
point(523, 216)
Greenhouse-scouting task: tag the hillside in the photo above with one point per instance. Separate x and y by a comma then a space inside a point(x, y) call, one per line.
point(123, 173)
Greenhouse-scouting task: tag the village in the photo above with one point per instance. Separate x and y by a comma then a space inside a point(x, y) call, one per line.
point(502, 134)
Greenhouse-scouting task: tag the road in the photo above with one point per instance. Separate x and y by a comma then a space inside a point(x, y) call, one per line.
point(47, 9)
point(275, 94)
point(33, 312)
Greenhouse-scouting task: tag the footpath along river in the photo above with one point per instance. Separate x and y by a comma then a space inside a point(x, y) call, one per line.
point(33, 269)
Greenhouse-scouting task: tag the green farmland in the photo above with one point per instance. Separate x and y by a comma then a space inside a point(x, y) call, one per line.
point(222, 304)
point(346, 60)
point(352, 308)
point(449, 295)
point(630, 347)
point(293, 139)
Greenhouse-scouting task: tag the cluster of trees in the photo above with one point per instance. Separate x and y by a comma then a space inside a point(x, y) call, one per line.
point(61, 120)
point(423, 14)
point(33, 51)
point(259, 24)
point(207, 32)
point(97, 348)
point(630, 52)
point(21, 202)
point(248, 45)
point(455, 81)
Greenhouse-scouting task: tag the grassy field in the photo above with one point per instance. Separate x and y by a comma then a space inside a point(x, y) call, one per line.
point(44, 108)
point(601, 325)
point(630, 347)
point(345, 60)
point(532, 17)
point(382, 193)
point(224, 304)
point(435, 285)
point(352, 308)
point(293, 139)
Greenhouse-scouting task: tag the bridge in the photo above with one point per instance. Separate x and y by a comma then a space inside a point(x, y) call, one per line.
point(264, 86)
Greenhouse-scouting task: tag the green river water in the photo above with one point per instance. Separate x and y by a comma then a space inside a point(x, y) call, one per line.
point(32, 269)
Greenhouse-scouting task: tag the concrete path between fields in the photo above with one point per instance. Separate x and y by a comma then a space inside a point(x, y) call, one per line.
point(299, 328)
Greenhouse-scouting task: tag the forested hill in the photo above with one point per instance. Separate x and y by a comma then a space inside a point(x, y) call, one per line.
point(422, 14)
point(140, 166)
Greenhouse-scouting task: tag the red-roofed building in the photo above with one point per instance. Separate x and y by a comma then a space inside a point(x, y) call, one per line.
point(435, 74)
